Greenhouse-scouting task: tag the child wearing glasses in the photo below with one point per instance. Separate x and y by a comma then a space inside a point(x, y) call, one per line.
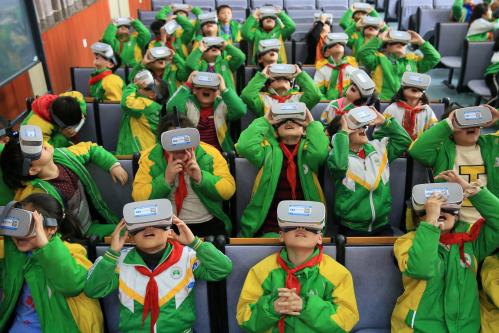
point(299, 288)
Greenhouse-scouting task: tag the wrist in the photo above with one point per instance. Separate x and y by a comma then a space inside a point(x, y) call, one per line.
point(195, 243)
point(114, 165)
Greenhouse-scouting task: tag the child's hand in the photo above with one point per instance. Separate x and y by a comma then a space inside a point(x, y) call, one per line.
point(171, 18)
point(296, 303)
point(298, 71)
point(495, 115)
point(432, 208)
point(224, 44)
point(192, 167)
point(384, 35)
point(172, 169)
point(117, 241)
point(185, 236)
point(359, 23)
point(416, 39)
point(40, 237)
point(223, 87)
point(202, 46)
point(308, 119)
point(256, 14)
point(119, 174)
point(344, 125)
point(191, 77)
point(269, 118)
point(380, 119)
point(287, 302)
point(452, 177)
point(265, 71)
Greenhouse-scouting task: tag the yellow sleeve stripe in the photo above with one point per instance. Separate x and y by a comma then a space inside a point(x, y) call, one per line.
point(401, 249)
point(226, 185)
point(75, 94)
point(142, 183)
point(134, 102)
point(81, 149)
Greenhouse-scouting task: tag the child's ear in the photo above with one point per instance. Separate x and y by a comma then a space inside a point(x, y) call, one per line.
point(319, 239)
point(51, 231)
point(281, 238)
point(33, 171)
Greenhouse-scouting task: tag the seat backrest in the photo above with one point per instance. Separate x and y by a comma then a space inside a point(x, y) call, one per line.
point(303, 27)
point(390, 9)
point(301, 52)
point(247, 119)
point(337, 27)
point(260, 3)
point(383, 106)
point(438, 109)
point(329, 193)
point(310, 70)
point(243, 258)
point(302, 15)
point(114, 194)
point(377, 282)
point(300, 5)
point(476, 58)
point(333, 4)
point(318, 109)
point(245, 175)
point(419, 174)
point(239, 14)
point(235, 4)
point(427, 18)
point(110, 123)
point(89, 130)
point(205, 5)
point(398, 170)
point(408, 8)
point(445, 4)
point(158, 4)
point(449, 38)
point(288, 47)
point(79, 79)
point(249, 72)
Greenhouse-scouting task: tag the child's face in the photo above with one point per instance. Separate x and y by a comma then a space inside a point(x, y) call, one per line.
point(371, 31)
point(211, 54)
point(123, 30)
point(280, 84)
point(151, 239)
point(45, 158)
point(358, 137)
point(157, 65)
point(269, 58)
point(326, 28)
point(337, 50)
point(412, 93)
point(396, 49)
point(182, 155)
point(353, 93)
point(210, 29)
point(447, 219)
point(358, 15)
point(102, 63)
point(26, 244)
point(225, 15)
point(268, 23)
point(466, 136)
point(205, 96)
point(180, 13)
point(300, 238)
point(290, 129)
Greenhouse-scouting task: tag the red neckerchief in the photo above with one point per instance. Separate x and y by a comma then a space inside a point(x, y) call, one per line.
point(281, 99)
point(409, 121)
point(121, 47)
point(361, 153)
point(94, 79)
point(206, 112)
point(291, 279)
point(181, 192)
point(291, 171)
point(157, 38)
point(340, 68)
point(341, 107)
point(151, 299)
point(170, 41)
point(462, 237)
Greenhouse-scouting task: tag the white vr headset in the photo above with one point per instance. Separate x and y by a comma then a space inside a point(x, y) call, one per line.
point(213, 41)
point(363, 82)
point(397, 36)
point(360, 117)
point(284, 111)
point(361, 7)
point(416, 80)
point(122, 21)
point(17, 222)
point(180, 139)
point(210, 17)
point(206, 80)
point(171, 27)
point(104, 50)
point(150, 213)
point(474, 116)
point(335, 38)
point(160, 52)
point(266, 45)
point(317, 17)
point(282, 70)
point(268, 11)
point(306, 214)
point(31, 142)
point(452, 192)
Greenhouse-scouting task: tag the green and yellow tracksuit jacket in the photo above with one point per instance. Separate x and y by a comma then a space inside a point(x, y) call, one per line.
point(259, 144)
point(260, 102)
point(217, 184)
point(440, 291)
point(356, 38)
point(347, 21)
point(482, 30)
point(55, 274)
point(387, 70)
point(227, 107)
point(327, 293)
point(75, 158)
point(130, 51)
point(41, 116)
point(177, 309)
point(174, 73)
point(235, 31)
point(252, 32)
point(435, 149)
point(327, 76)
point(363, 197)
point(109, 89)
point(6, 193)
point(489, 295)
point(139, 121)
point(461, 12)
point(225, 64)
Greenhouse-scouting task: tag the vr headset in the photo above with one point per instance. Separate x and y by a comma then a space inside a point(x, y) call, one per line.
point(122, 21)
point(17, 222)
point(335, 38)
point(282, 70)
point(161, 52)
point(284, 111)
point(317, 17)
point(267, 45)
point(268, 11)
point(31, 142)
point(292, 214)
point(363, 82)
point(397, 36)
point(171, 27)
point(361, 7)
point(474, 116)
point(180, 7)
point(145, 79)
point(416, 80)
point(371, 21)
point(206, 80)
point(210, 17)
point(180, 139)
point(451, 191)
point(361, 116)
point(150, 213)
point(104, 50)
point(213, 41)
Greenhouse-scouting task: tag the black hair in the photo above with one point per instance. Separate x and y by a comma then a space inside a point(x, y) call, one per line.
point(11, 163)
point(219, 8)
point(68, 110)
point(399, 96)
point(156, 26)
point(169, 122)
point(478, 11)
point(48, 206)
point(496, 43)
point(118, 62)
point(334, 126)
point(449, 109)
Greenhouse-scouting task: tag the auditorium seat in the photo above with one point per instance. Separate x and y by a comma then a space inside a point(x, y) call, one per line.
point(147, 17)
point(205, 5)
point(81, 75)
point(244, 175)
point(327, 5)
point(302, 15)
point(158, 4)
point(300, 52)
point(110, 120)
point(300, 5)
point(89, 130)
point(390, 9)
point(449, 41)
point(310, 70)
point(476, 58)
point(318, 109)
point(480, 89)
point(446, 4)
point(408, 8)
point(260, 3)
point(398, 170)
point(427, 18)
point(234, 4)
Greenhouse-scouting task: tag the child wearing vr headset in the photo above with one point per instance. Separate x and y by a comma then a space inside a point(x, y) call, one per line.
point(440, 259)
point(268, 22)
point(215, 55)
point(363, 31)
point(157, 277)
point(226, 25)
point(211, 106)
point(389, 64)
point(128, 45)
point(360, 92)
point(356, 13)
point(455, 144)
point(273, 85)
point(332, 75)
point(268, 53)
point(192, 174)
point(104, 84)
point(60, 117)
point(206, 26)
point(35, 258)
point(299, 288)
point(29, 166)
point(410, 106)
point(287, 147)
point(489, 304)
point(316, 36)
point(360, 170)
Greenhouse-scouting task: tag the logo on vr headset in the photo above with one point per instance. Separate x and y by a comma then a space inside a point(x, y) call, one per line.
point(300, 210)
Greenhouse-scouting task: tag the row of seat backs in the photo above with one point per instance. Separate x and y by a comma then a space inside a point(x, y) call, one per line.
point(394, 9)
point(253, 4)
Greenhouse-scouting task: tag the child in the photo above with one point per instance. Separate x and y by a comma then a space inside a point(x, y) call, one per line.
point(105, 86)
point(156, 278)
point(355, 13)
point(481, 28)
point(215, 55)
point(363, 31)
point(268, 23)
point(43, 275)
point(317, 36)
point(439, 261)
point(210, 105)
point(360, 92)
point(268, 52)
point(165, 65)
point(127, 45)
point(195, 177)
point(267, 88)
point(410, 106)
point(360, 170)
point(207, 26)
point(141, 104)
point(288, 154)
point(59, 116)
point(333, 72)
point(492, 76)
point(388, 66)
point(461, 10)
point(489, 302)
point(299, 288)
point(227, 26)
point(61, 172)
point(444, 146)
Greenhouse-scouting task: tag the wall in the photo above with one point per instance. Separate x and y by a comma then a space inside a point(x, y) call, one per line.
point(13, 96)
point(139, 4)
